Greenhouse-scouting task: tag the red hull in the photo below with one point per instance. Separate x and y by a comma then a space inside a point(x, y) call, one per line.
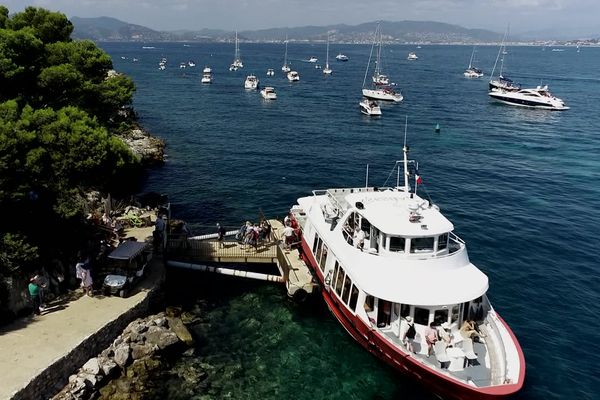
point(376, 344)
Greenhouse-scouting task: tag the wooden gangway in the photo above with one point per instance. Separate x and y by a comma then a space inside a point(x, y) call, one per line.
point(208, 255)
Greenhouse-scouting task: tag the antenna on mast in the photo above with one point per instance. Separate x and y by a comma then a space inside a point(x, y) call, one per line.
point(367, 177)
point(405, 151)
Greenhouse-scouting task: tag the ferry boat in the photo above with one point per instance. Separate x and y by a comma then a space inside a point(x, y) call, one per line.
point(386, 259)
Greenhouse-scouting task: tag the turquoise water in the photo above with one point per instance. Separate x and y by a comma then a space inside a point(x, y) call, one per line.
point(521, 187)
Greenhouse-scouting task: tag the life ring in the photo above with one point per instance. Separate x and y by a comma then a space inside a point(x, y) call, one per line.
point(300, 296)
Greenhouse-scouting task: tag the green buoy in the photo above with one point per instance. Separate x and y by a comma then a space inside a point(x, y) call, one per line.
point(437, 128)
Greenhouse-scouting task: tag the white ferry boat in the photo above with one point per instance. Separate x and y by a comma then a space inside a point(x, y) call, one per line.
point(388, 259)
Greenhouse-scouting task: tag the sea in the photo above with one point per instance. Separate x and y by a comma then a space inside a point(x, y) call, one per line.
point(521, 186)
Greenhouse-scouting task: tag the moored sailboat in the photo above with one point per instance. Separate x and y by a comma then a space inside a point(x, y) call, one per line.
point(286, 68)
point(381, 88)
point(237, 61)
point(472, 71)
point(327, 70)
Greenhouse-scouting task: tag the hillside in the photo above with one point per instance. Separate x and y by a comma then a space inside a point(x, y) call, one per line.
point(111, 29)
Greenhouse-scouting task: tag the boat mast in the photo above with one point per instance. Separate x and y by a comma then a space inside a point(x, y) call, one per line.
point(378, 61)
point(327, 57)
point(405, 151)
point(285, 56)
point(370, 56)
point(471, 60)
point(498, 56)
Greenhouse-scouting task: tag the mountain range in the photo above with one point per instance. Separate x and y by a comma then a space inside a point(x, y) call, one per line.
point(111, 29)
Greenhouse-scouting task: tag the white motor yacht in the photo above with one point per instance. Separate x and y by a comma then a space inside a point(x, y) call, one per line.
point(412, 56)
point(341, 57)
point(268, 93)
point(313, 59)
point(369, 107)
point(207, 70)
point(251, 82)
point(206, 77)
point(270, 72)
point(540, 97)
point(293, 76)
point(191, 63)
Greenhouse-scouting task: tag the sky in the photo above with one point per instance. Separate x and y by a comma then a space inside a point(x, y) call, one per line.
point(568, 17)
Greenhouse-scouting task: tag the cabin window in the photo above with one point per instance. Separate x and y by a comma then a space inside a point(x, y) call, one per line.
point(369, 303)
point(335, 274)
point(346, 291)
point(404, 310)
point(440, 316)
point(384, 313)
point(365, 225)
point(353, 298)
point(316, 243)
point(421, 316)
point(455, 312)
point(339, 282)
point(323, 259)
point(397, 244)
point(420, 245)
point(442, 242)
point(319, 251)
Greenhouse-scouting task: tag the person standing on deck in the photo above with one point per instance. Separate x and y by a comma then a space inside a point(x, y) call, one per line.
point(221, 235)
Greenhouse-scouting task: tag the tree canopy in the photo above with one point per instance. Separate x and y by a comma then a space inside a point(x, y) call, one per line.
point(58, 109)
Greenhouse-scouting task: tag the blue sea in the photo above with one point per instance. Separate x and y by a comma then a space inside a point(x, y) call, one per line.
point(521, 186)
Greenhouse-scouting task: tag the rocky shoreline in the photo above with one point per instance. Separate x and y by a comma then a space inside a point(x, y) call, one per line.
point(124, 369)
point(150, 149)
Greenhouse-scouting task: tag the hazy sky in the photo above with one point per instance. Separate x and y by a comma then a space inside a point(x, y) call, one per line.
point(564, 16)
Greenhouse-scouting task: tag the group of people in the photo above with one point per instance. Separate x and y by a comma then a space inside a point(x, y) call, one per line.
point(439, 332)
point(251, 235)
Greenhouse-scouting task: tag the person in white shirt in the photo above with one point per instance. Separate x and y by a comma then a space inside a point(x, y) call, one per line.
point(359, 238)
point(288, 237)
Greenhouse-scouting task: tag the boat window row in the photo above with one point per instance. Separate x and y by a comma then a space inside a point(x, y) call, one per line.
point(342, 285)
point(384, 313)
point(376, 241)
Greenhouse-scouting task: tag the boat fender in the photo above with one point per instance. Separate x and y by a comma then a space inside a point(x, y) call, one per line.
point(300, 296)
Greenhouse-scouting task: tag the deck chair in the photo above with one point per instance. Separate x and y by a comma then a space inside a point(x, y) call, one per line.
point(439, 349)
point(467, 347)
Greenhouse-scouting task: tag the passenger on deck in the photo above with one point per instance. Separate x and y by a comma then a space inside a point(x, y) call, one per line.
point(468, 330)
point(444, 334)
point(221, 235)
point(430, 337)
point(359, 238)
point(288, 237)
point(409, 334)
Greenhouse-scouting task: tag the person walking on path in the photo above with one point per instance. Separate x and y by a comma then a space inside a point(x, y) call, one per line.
point(34, 293)
point(83, 272)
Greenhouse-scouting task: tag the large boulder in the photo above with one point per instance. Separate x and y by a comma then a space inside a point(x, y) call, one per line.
point(92, 366)
point(122, 355)
point(180, 330)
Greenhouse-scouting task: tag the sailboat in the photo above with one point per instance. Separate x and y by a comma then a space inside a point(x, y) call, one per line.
point(473, 72)
point(327, 70)
point(285, 68)
point(381, 89)
point(237, 61)
point(502, 82)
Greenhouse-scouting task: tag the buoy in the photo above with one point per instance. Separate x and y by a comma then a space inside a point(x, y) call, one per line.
point(437, 128)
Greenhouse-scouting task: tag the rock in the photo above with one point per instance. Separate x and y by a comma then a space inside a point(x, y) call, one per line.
point(142, 350)
point(92, 366)
point(136, 338)
point(90, 379)
point(107, 366)
point(160, 321)
point(148, 148)
point(180, 330)
point(162, 338)
point(122, 355)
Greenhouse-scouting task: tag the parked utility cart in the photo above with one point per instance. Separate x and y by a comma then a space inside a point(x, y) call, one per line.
point(127, 264)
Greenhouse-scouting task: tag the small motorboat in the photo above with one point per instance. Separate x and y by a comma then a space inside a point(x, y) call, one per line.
point(369, 107)
point(270, 72)
point(251, 82)
point(313, 59)
point(293, 76)
point(412, 56)
point(206, 77)
point(268, 93)
point(341, 57)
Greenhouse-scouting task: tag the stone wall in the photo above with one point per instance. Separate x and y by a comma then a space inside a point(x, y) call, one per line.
point(55, 377)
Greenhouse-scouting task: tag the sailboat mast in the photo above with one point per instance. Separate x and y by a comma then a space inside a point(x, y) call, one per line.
point(471, 60)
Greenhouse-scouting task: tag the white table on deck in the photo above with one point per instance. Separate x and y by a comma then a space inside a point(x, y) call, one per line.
point(457, 358)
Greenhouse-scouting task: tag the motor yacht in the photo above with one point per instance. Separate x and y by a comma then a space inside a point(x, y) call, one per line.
point(341, 57)
point(207, 70)
point(268, 93)
point(412, 56)
point(313, 59)
point(369, 107)
point(251, 82)
point(206, 77)
point(540, 97)
point(270, 72)
point(293, 76)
